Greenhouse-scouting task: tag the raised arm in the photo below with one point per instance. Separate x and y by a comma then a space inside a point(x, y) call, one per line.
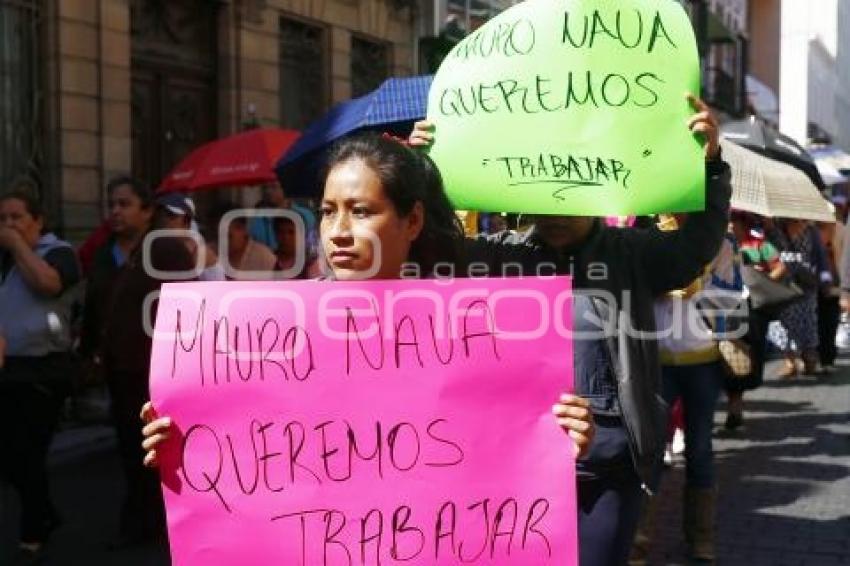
point(674, 259)
point(42, 277)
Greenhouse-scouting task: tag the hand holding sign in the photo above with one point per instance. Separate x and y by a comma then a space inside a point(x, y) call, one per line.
point(571, 107)
point(155, 432)
point(705, 124)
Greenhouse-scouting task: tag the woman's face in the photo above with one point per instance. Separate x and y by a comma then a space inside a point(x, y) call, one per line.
point(362, 234)
point(126, 213)
point(14, 215)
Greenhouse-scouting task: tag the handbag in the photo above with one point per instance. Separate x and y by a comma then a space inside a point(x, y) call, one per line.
point(735, 353)
point(736, 357)
point(764, 292)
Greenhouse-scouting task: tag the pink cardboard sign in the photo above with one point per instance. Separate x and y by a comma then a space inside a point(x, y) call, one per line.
point(342, 423)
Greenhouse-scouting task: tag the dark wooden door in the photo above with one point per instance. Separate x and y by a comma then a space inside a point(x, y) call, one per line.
point(172, 115)
point(173, 82)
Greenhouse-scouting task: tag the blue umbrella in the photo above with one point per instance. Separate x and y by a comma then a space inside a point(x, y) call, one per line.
point(393, 107)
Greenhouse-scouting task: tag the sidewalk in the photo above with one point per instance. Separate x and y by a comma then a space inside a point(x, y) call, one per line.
point(784, 479)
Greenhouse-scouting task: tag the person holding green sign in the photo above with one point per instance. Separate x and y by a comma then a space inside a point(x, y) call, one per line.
point(617, 274)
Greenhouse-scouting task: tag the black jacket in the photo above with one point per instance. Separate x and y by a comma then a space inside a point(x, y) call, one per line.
point(641, 264)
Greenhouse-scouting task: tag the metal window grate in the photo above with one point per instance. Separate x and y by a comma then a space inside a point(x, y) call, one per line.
point(370, 65)
point(303, 72)
point(21, 92)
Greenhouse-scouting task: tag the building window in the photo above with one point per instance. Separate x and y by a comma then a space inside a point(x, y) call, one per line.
point(723, 79)
point(303, 73)
point(370, 65)
point(21, 92)
point(469, 15)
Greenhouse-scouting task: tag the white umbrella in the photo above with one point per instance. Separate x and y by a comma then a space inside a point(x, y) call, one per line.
point(770, 188)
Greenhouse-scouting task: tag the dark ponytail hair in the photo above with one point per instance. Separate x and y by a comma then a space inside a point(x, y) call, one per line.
point(408, 177)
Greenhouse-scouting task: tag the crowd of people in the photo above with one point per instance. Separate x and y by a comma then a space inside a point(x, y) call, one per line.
point(375, 186)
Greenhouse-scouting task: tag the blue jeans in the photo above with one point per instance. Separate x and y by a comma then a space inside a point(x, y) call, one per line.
point(609, 497)
point(699, 386)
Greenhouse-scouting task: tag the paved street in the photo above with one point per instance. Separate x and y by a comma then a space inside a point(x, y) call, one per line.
point(784, 488)
point(784, 479)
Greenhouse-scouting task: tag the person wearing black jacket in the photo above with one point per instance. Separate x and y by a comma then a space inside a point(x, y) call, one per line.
point(126, 361)
point(617, 274)
point(116, 341)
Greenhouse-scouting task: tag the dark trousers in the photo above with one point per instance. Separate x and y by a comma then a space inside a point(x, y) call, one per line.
point(698, 385)
point(829, 315)
point(608, 514)
point(31, 396)
point(609, 496)
point(142, 511)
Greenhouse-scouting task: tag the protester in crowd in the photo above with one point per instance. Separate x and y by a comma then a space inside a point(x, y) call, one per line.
point(36, 271)
point(176, 211)
point(622, 382)
point(126, 357)
point(119, 289)
point(755, 251)
point(262, 227)
point(247, 258)
point(829, 293)
point(691, 372)
point(802, 252)
point(131, 209)
point(288, 243)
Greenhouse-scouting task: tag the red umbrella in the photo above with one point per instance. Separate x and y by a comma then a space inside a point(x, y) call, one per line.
point(247, 158)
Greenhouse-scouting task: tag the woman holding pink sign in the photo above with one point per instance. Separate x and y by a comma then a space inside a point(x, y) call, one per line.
point(385, 215)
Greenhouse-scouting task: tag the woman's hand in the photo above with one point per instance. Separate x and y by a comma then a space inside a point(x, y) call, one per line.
point(422, 136)
point(156, 431)
point(573, 415)
point(11, 239)
point(705, 124)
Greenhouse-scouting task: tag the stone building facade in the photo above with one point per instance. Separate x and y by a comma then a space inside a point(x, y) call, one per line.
point(132, 85)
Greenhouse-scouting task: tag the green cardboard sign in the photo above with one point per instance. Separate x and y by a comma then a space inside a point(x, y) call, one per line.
point(572, 107)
